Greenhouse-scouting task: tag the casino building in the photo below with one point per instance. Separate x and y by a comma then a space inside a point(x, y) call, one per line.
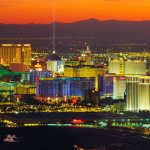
point(16, 56)
point(15, 53)
point(64, 87)
point(138, 93)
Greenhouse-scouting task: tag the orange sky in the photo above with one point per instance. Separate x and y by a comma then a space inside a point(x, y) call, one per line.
point(40, 11)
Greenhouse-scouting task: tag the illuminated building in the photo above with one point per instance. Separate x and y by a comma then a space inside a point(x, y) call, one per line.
point(132, 84)
point(72, 63)
point(55, 64)
point(144, 93)
point(34, 75)
point(116, 67)
point(38, 66)
point(105, 86)
point(87, 56)
point(84, 71)
point(15, 53)
point(112, 86)
point(83, 67)
point(6, 90)
point(135, 67)
point(138, 93)
point(85, 59)
point(25, 89)
point(130, 67)
point(118, 87)
point(9, 89)
point(61, 87)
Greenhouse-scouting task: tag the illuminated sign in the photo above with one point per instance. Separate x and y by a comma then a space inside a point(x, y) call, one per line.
point(122, 78)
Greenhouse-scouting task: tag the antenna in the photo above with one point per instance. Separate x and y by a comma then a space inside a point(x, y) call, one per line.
point(54, 25)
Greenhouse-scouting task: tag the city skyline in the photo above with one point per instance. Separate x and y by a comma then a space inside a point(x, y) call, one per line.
point(31, 11)
point(74, 74)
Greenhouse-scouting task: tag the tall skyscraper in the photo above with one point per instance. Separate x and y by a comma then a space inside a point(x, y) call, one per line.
point(138, 93)
point(15, 53)
point(118, 87)
point(132, 93)
point(144, 93)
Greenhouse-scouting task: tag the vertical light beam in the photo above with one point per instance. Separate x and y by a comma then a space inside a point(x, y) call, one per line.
point(54, 25)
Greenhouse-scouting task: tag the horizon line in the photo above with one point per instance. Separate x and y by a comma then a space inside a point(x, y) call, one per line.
point(100, 20)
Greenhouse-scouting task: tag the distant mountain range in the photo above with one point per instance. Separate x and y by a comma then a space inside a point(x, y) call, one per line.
point(111, 29)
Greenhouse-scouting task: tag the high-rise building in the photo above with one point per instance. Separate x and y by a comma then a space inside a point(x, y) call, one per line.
point(135, 67)
point(15, 53)
point(112, 86)
point(116, 67)
point(144, 93)
point(118, 87)
point(130, 67)
point(138, 93)
point(105, 86)
point(132, 93)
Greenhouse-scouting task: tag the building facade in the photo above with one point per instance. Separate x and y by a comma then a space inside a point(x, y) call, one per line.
point(64, 87)
point(128, 67)
point(112, 86)
point(132, 93)
point(138, 93)
point(15, 53)
point(119, 87)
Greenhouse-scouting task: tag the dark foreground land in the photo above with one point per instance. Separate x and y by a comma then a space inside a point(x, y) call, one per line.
point(64, 138)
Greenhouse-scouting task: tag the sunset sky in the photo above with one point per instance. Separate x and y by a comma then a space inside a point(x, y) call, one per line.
point(40, 11)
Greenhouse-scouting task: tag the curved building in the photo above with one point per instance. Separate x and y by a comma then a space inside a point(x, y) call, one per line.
point(144, 93)
point(132, 93)
point(138, 93)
